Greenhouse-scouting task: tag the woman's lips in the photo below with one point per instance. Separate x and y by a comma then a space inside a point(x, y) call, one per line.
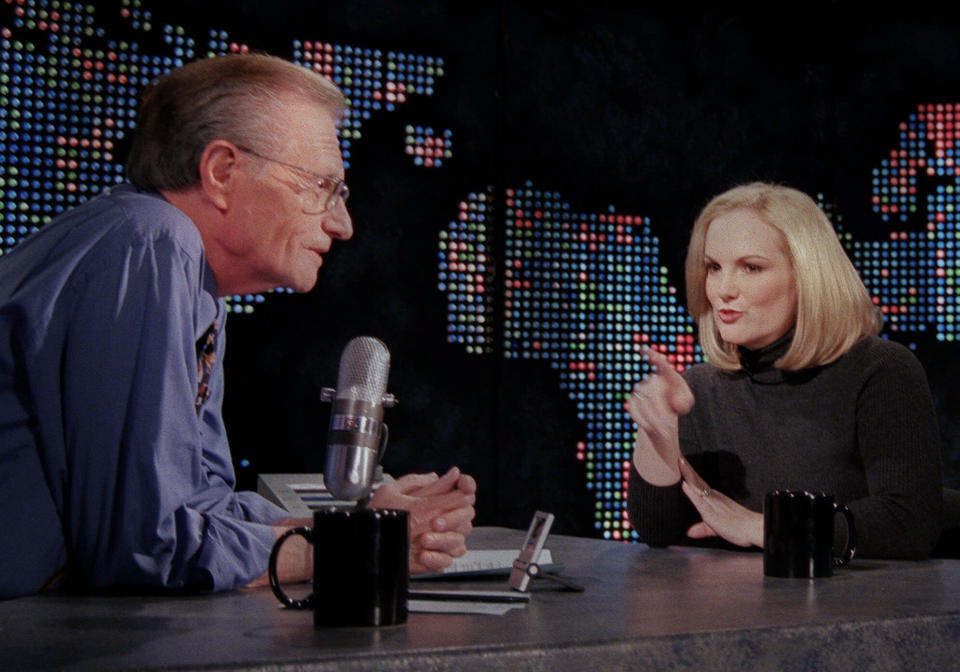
point(728, 316)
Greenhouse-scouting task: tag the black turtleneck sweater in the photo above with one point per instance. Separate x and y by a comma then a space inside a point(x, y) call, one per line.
point(862, 428)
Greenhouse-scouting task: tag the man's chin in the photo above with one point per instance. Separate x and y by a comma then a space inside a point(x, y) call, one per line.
point(308, 283)
point(304, 281)
point(303, 287)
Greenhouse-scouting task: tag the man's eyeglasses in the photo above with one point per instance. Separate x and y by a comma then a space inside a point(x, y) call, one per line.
point(326, 189)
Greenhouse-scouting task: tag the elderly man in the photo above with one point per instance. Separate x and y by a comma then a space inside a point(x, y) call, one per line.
point(115, 470)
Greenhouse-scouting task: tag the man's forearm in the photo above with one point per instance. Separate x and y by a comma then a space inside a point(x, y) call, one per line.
point(295, 560)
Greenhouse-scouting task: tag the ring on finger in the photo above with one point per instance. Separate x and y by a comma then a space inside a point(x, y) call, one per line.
point(705, 492)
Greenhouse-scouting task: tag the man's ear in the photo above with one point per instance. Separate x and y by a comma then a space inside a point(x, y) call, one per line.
point(219, 164)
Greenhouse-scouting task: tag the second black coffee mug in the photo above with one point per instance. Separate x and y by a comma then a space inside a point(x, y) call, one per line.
point(361, 567)
point(798, 534)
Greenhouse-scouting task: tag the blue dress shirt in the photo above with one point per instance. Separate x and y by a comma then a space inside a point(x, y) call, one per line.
point(107, 468)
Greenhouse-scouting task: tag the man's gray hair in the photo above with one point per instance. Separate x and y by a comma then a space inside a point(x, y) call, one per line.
point(236, 97)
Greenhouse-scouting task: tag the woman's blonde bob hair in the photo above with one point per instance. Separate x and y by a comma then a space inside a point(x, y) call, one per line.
point(834, 309)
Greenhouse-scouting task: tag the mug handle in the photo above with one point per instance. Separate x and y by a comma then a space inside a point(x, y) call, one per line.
point(850, 548)
point(286, 600)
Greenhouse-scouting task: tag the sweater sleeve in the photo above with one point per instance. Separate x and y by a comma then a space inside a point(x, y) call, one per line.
point(899, 444)
point(654, 511)
point(661, 515)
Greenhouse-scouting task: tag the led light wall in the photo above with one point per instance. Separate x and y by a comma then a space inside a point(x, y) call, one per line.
point(912, 274)
point(584, 292)
point(516, 272)
point(69, 92)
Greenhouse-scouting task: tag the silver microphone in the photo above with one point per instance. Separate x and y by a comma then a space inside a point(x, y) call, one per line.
point(357, 436)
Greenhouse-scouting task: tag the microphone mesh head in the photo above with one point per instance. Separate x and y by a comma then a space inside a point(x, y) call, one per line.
point(364, 366)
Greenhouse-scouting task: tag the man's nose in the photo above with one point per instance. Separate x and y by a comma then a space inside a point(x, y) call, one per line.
point(337, 221)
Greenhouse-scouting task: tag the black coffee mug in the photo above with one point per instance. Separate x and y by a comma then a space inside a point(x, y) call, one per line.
point(361, 567)
point(798, 534)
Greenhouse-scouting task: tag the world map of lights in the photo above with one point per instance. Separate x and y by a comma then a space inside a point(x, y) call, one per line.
point(579, 291)
point(69, 94)
point(582, 291)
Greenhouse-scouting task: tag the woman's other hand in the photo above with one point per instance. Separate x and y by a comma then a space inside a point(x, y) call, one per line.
point(722, 517)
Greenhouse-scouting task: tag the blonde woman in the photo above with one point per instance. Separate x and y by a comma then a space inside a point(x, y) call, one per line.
point(799, 391)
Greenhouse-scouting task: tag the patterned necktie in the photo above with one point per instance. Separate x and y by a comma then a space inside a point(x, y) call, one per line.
point(206, 357)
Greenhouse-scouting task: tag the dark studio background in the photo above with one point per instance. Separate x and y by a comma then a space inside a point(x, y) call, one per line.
point(653, 110)
point(650, 109)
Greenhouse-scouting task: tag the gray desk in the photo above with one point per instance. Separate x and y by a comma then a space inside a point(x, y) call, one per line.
point(642, 610)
